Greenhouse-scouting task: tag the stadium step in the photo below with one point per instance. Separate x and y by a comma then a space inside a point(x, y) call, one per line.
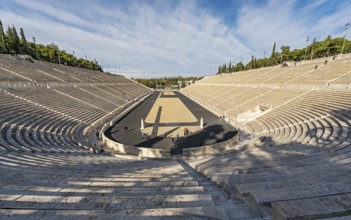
point(74, 191)
point(266, 197)
point(203, 212)
point(82, 201)
point(234, 209)
point(313, 208)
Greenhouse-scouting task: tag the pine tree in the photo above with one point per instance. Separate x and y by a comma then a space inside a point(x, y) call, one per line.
point(230, 67)
point(23, 41)
point(2, 37)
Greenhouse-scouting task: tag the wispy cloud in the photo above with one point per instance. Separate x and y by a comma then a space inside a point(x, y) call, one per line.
point(290, 22)
point(162, 38)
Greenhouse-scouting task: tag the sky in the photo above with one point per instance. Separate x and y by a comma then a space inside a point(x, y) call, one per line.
point(163, 38)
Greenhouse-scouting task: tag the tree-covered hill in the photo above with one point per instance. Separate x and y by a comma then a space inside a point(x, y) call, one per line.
point(167, 82)
point(317, 49)
point(12, 43)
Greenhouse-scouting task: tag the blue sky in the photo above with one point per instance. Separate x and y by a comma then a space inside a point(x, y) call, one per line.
point(157, 38)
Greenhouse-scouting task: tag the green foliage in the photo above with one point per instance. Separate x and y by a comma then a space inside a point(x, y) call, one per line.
point(273, 50)
point(50, 53)
point(327, 47)
point(2, 40)
point(23, 41)
point(239, 66)
point(12, 40)
point(166, 82)
point(224, 69)
point(285, 53)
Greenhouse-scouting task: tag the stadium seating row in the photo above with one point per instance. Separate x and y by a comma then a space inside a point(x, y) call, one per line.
point(41, 116)
point(294, 161)
point(45, 108)
point(14, 69)
point(95, 186)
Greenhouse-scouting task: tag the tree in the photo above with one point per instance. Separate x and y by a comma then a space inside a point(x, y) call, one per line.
point(285, 53)
point(34, 45)
point(273, 53)
point(327, 47)
point(273, 50)
point(251, 64)
point(239, 66)
point(312, 47)
point(23, 42)
point(2, 37)
point(13, 40)
point(10, 39)
point(12, 44)
point(224, 68)
point(17, 44)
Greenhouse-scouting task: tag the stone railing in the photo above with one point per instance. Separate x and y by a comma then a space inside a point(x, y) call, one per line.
point(166, 153)
point(135, 151)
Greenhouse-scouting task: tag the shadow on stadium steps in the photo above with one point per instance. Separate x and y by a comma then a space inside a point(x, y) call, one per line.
point(263, 163)
point(272, 169)
point(266, 170)
point(64, 185)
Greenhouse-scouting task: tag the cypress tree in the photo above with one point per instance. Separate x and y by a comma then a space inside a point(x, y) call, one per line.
point(312, 47)
point(13, 40)
point(224, 68)
point(35, 46)
point(10, 39)
point(273, 52)
point(17, 41)
point(255, 63)
point(2, 37)
point(23, 41)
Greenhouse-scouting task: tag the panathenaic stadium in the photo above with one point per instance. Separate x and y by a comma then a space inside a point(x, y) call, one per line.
point(269, 143)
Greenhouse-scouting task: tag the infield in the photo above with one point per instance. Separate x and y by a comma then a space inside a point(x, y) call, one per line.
point(167, 114)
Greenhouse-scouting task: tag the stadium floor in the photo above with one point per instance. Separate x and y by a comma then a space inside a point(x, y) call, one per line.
point(214, 130)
